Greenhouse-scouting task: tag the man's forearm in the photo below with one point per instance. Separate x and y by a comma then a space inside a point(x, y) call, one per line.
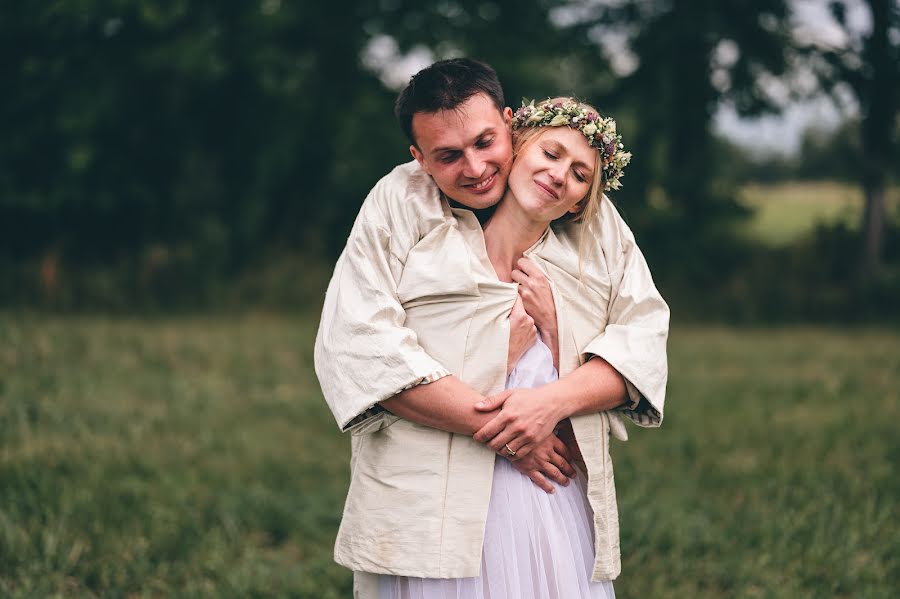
point(593, 387)
point(446, 404)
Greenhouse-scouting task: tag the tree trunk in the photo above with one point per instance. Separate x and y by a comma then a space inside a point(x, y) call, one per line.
point(879, 101)
point(873, 229)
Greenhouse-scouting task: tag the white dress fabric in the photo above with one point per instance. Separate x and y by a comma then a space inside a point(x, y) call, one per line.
point(536, 545)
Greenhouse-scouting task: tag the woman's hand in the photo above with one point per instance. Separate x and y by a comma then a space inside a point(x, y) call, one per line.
point(566, 434)
point(534, 289)
point(522, 334)
point(537, 298)
point(526, 418)
point(550, 460)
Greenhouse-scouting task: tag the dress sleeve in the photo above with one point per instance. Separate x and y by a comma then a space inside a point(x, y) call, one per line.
point(634, 340)
point(363, 353)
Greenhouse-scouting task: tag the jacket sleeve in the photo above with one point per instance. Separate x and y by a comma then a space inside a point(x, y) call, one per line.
point(363, 353)
point(634, 340)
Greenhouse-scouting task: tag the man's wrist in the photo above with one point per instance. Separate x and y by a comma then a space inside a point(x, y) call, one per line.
point(560, 411)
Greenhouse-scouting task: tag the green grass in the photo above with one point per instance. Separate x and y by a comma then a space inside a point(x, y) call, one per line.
point(786, 211)
point(195, 457)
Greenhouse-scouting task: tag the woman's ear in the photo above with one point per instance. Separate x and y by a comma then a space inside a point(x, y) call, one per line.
point(579, 207)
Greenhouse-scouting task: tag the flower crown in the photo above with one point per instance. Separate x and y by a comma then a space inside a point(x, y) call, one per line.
point(600, 132)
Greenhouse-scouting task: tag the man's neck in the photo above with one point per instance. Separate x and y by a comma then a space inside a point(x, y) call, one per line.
point(482, 214)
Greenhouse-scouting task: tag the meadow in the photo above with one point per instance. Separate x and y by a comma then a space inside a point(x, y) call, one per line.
point(195, 457)
point(784, 212)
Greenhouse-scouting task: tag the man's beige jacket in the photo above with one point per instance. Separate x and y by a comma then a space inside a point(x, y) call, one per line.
point(413, 298)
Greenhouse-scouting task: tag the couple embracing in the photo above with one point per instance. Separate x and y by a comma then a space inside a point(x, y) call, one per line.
point(488, 325)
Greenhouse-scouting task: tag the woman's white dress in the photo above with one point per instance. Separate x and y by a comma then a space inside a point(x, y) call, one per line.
point(536, 545)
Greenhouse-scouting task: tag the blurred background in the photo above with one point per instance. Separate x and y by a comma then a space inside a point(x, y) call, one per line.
point(185, 155)
point(177, 179)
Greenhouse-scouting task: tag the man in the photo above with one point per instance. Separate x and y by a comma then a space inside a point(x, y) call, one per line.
point(372, 367)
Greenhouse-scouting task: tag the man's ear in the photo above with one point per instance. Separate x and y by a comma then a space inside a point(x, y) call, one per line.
point(507, 116)
point(419, 158)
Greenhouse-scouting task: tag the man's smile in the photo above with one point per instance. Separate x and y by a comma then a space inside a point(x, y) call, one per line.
point(482, 185)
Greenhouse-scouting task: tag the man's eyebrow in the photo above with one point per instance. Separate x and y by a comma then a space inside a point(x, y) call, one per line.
point(484, 132)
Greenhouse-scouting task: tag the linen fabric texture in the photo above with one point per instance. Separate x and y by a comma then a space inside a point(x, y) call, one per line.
point(536, 545)
point(414, 298)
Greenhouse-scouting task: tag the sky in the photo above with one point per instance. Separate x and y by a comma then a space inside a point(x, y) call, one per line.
point(780, 134)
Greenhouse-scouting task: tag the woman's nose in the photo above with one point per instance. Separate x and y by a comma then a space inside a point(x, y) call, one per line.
point(557, 173)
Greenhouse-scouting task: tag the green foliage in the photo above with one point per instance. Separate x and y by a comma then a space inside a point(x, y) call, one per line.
point(161, 154)
point(690, 57)
point(195, 457)
point(210, 129)
point(814, 279)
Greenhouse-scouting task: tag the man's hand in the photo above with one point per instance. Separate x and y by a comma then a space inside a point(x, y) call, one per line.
point(549, 459)
point(526, 418)
point(522, 334)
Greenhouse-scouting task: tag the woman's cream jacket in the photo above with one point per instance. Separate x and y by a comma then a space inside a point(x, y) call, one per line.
point(413, 298)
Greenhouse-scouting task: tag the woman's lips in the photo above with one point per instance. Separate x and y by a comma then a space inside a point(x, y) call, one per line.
point(548, 190)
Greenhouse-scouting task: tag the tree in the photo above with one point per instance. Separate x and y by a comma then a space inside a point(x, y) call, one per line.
point(686, 58)
point(175, 124)
point(868, 64)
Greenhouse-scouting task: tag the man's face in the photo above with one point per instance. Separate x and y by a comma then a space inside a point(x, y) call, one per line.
point(467, 151)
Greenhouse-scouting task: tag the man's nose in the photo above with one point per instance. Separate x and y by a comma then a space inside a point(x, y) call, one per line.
point(473, 168)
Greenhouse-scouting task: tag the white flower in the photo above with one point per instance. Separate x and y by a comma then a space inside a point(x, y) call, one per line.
point(560, 119)
point(589, 129)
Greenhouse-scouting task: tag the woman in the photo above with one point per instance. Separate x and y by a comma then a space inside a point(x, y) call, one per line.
point(537, 544)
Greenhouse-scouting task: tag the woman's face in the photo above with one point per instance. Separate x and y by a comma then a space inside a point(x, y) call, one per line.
point(553, 173)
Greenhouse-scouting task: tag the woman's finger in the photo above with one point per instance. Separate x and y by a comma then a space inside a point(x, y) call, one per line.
point(519, 277)
point(560, 447)
point(538, 479)
point(564, 466)
point(524, 450)
point(528, 266)
point(555, 474)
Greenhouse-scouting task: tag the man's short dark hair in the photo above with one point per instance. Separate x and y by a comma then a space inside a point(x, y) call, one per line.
point(445, 85)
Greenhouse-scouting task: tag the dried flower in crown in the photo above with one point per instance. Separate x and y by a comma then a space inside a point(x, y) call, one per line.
point(599, 131)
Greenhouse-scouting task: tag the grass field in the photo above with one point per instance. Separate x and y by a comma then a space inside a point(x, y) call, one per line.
point(785, 211)
point(195, 457)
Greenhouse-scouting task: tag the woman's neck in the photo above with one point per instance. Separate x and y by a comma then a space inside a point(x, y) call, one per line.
point(508, 233)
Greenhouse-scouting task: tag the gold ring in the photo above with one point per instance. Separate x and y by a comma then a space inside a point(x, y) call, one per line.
point(509, 451)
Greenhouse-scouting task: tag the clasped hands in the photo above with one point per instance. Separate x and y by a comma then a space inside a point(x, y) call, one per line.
point(525, 426)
